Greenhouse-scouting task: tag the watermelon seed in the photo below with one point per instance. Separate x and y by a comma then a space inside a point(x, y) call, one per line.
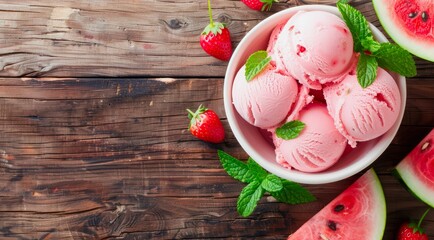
point(339, 208)
point(425, 145)
point(412, 14)
point(424, 16)
point(323, 237)
point(331, 225)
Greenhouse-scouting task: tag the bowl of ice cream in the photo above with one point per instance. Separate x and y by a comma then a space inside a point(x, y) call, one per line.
point(310, 79)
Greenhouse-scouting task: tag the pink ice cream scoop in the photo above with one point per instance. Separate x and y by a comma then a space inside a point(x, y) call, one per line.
point(318, 146)
point(303, 99)
point(272, 42)
point(362, 114)
point(315, 47)
point(266, 100)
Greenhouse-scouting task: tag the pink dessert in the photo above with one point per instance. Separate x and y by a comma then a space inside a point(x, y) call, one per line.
point(315, 48)
point(319, 146)
point(362, 114)
point(272, 42)
point(303, 99)
point(266, 100)
point(311, 79)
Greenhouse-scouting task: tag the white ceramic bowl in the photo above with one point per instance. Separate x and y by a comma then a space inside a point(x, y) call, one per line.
point(254, 143)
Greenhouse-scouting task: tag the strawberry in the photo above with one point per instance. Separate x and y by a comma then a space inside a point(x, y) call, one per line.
point(412, 231)
point(216, 39)
point(206, 125)
point(259, 5)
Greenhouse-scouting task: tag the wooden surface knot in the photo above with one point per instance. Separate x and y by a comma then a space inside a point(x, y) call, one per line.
point(175, 23)
point(224, 18)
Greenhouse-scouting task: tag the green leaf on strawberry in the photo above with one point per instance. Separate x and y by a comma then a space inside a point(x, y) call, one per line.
point(215, 39)
point(206, 125)
point(413, 230)
point(214, 28)
point(259, 5)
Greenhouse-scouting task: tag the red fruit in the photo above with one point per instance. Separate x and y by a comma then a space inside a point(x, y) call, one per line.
point(412, 230)
point(217, 43)
point(206, 125)
point(216, 39)
point(259, 5)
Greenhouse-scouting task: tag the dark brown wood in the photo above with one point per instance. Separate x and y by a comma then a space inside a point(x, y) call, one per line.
point(93, 127)
point(95, 158)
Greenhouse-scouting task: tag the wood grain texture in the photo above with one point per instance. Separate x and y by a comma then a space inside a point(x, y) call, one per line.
point(124, 38)
point(111, 158)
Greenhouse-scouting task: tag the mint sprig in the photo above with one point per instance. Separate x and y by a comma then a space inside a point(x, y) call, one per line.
point(259, 182)
point(370, 44)
point(372, 53)
point(293, 193)
point(366, 70)
point(256, 170)
point(256, 63)
point(290, 130)
point(237, 169)
point(402, 63)
point(272, 183)
point(249, 198)
point(357, 24)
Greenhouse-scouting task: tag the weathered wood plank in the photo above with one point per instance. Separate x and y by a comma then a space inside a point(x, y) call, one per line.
point(111, 158)
point(124, 38)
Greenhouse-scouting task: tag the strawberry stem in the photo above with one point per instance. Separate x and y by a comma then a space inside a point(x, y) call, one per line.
point(193, 116)
point(210, 13)
point(421, 219)
point(190, 112)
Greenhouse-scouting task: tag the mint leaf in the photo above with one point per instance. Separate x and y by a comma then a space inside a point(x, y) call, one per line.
point(236, 168)
point(373, 54)
point(272, 183)
point(370, 44)
point(290, 130)
point(255, 169)
point(293, 193)
point(396, 59)
point(260, 181)
point(249, 197)
point(357, 24)
point(256, 63)
point(366, 70)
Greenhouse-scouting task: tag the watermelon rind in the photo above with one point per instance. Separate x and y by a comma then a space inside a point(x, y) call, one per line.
point(416, 172)
point(399, 35)
point(399, 177)
point(381, 204)
point(373, 213)
point(411, 179)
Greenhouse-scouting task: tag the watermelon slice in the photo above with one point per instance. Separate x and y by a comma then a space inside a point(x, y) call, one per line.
point(410, 23)
point(416, 170)
point(357, 213)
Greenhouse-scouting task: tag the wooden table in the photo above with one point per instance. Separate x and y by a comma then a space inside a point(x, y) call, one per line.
point(94, 141)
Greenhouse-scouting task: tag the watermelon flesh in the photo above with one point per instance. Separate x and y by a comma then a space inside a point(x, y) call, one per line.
point(416, 170)
point(357, 213)
point(410, 23)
